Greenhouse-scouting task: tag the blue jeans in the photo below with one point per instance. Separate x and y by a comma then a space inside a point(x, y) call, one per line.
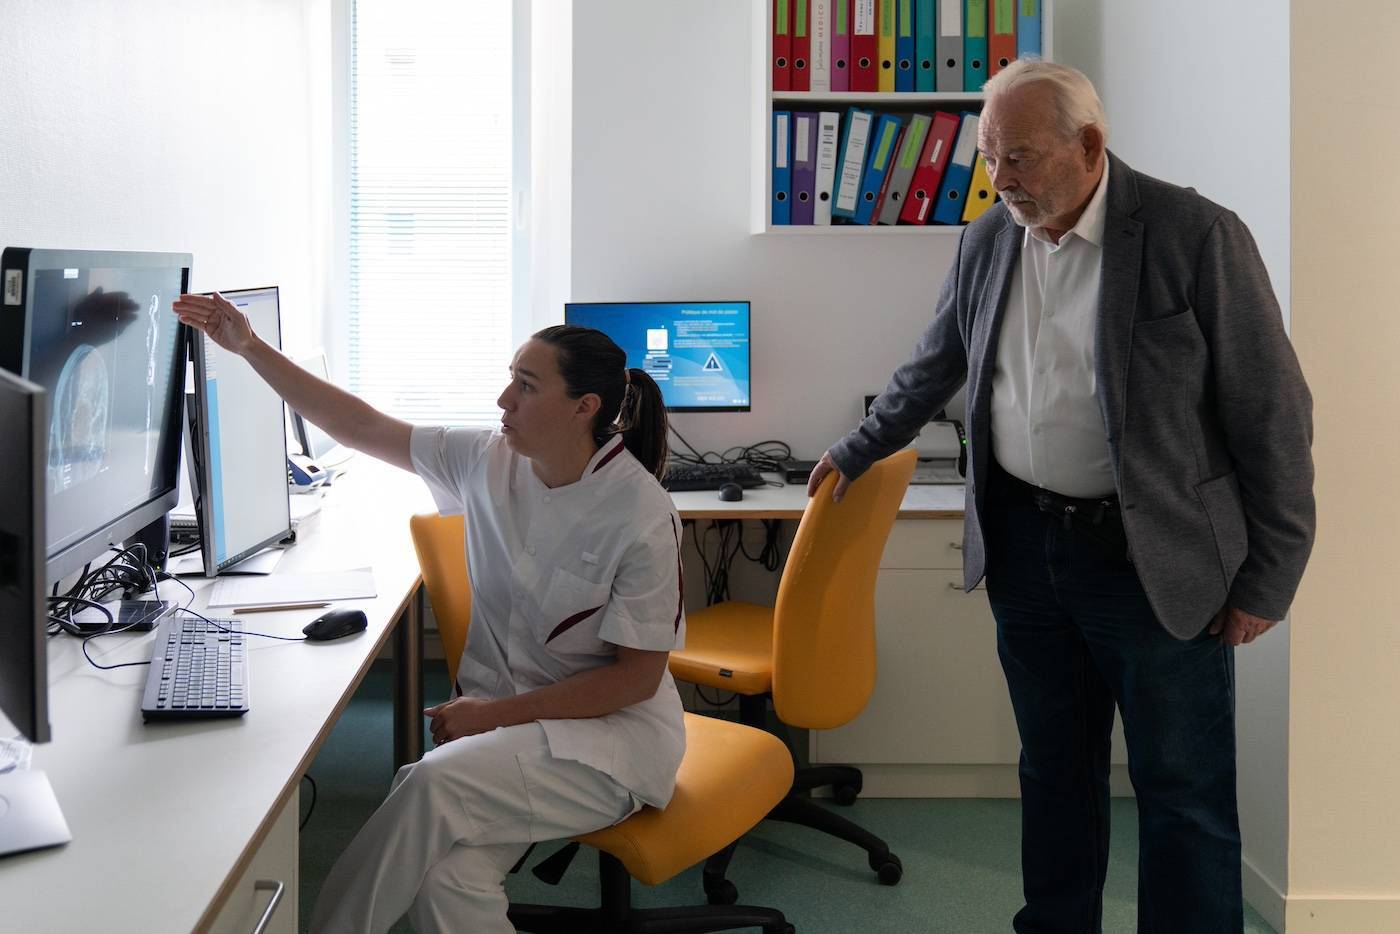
point(1076, 637)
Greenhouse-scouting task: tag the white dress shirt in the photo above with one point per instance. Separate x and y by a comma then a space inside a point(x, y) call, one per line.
point(560, 578)
point(1047, 427)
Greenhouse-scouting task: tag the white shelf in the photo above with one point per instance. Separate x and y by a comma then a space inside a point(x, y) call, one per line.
point(765, 100)
point(879, 230)
point(884, 98)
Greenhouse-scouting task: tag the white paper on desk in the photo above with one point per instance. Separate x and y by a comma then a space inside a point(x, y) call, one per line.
point(293, 588)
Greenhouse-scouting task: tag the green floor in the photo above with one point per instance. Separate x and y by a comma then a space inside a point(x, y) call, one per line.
point(960, 855)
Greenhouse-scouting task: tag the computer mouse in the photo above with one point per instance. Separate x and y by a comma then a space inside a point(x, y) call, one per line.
point(731, 492)
point(335, 624)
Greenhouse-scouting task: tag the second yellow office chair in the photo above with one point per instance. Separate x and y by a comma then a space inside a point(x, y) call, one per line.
point(730, 778)
point(813, 653)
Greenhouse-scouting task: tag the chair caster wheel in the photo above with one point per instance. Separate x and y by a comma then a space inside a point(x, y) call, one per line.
point(721, 892)
point(888, 868)
point(845, 795)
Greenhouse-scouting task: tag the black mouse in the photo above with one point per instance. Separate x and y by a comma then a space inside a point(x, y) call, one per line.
point(335, 624)
point(731, 492)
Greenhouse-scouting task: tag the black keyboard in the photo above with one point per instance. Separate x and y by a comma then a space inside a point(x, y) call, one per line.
point(199, 669)
point(681, 477)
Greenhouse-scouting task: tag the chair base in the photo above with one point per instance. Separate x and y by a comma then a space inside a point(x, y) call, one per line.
point(617, 916)
point(846, 782)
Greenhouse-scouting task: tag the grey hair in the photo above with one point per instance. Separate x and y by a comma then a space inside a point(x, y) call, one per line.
point(1076, 103)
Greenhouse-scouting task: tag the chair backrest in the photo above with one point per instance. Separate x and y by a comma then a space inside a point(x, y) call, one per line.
point(440, 542)
point(824, 621)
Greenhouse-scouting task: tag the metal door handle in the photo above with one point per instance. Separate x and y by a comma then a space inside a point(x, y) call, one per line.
point(277, 888)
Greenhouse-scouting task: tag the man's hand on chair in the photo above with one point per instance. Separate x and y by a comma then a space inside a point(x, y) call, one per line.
point(825, 466)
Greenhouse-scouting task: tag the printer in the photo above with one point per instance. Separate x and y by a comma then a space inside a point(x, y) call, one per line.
point(942, 452)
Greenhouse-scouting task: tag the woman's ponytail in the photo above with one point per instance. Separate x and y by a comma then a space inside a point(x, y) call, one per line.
point(642, 421)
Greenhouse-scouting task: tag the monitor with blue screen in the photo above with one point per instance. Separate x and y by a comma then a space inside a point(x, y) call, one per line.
point(698, 352)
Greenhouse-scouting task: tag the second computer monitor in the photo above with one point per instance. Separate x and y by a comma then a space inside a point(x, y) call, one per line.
point(239, 444)
point(698, 352)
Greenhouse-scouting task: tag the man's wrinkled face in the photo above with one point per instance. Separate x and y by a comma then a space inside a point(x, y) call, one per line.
point(1044, 178)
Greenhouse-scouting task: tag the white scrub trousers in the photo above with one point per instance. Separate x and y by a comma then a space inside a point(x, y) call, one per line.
point(454, 823)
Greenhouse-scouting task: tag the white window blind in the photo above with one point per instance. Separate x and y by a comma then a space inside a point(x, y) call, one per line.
point(430, 208)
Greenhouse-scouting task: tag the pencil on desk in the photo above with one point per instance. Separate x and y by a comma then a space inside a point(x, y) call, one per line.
point(279, 606)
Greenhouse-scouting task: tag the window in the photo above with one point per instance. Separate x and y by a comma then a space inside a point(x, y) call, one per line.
point(430, 214)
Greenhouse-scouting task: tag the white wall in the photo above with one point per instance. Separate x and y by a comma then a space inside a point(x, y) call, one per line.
point(1188, 101)
point(662, 151)
point(172, 126)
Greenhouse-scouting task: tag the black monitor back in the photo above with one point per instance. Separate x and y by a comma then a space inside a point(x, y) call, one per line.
point(23, 457)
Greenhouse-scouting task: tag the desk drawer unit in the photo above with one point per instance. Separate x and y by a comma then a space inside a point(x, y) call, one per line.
point(275, 863)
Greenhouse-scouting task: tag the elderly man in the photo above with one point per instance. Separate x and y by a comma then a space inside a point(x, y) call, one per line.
point(1140, 493)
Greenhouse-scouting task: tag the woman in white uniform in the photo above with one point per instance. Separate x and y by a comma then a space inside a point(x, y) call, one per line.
point(565, 718)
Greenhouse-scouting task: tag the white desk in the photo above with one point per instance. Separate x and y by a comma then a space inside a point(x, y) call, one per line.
point(787, 502)
point(166, 817)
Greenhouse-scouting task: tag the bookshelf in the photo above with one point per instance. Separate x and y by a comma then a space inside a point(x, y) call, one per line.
point(766, 100)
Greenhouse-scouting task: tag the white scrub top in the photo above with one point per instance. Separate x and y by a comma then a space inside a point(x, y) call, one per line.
point(561, 577)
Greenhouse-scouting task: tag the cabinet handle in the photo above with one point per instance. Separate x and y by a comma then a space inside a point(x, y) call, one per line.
point(954, 585)
point(277, 888)
point(956, 546)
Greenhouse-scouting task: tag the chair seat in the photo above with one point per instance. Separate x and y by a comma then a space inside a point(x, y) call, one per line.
point(731, 777)
point(729, 646)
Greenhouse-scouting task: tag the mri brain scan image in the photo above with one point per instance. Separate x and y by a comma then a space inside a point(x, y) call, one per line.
point(80, 416)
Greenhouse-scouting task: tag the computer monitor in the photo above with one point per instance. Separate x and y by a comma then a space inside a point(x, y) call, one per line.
point(315, 443)
point(698, 352)
point(29, 814)
point(238, 443)
point(95, 330)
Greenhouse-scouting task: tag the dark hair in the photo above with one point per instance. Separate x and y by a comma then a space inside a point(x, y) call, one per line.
point(631, 406)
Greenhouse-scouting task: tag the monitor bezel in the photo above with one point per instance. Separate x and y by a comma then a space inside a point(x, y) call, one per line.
point(27, 261)
point(201, 478)
point(682, 409)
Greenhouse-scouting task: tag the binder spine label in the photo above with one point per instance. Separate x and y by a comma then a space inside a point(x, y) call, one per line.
point(950, 18)
point(886, 141)
point(865, 18)
point(1004, 13)
point(976, 19)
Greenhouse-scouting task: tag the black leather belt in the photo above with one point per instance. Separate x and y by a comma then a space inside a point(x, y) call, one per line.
point(1093, 510)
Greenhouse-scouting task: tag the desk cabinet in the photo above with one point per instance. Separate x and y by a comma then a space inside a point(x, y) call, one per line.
point(939, 722)
point(275, 861)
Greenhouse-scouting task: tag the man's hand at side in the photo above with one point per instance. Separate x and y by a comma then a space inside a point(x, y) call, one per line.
point(825, 466)
point(1240, 627)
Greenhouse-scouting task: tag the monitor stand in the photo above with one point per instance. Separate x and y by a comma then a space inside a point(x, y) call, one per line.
point(30, 818)
point(263, 562)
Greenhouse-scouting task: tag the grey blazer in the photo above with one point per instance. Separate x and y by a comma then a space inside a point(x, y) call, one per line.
point(1208, 418)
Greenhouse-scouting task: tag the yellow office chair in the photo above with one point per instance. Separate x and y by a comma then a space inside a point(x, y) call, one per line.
point(813, 653)
point(730, 778)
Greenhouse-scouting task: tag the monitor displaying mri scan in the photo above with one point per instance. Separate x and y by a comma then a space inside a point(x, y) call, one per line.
point(100, 337)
